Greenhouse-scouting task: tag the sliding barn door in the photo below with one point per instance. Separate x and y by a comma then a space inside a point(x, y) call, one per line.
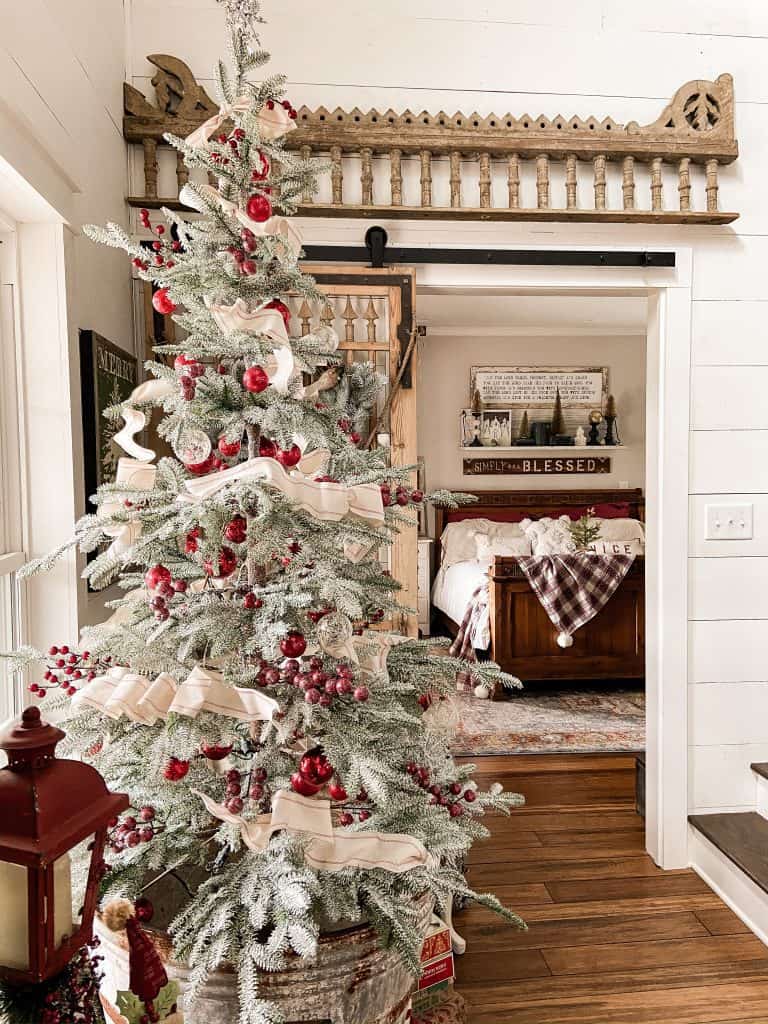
point(374, 315)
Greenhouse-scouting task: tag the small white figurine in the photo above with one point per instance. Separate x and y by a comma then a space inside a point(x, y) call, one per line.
point(580, 439)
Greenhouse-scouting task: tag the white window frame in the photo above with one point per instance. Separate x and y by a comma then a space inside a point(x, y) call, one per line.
point(12, 497)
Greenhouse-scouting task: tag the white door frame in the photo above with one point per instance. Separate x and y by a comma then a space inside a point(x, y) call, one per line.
point(668, 389)
point(667, 443)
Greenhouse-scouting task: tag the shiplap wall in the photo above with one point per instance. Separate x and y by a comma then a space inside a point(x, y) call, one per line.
point(597, 57)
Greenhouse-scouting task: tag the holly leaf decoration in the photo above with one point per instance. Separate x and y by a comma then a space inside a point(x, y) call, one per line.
point(167, 997)
point(130, 1006)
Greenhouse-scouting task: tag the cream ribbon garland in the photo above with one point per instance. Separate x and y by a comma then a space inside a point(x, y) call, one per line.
point(272, 124)
point(149, 391)
point(280, 366)
point(122, 692)
point(326, 501)
point(274, 227)
point(327, 849)
point(200, 136)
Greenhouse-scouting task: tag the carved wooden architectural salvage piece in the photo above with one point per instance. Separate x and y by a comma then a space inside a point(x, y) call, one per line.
point(483, 168)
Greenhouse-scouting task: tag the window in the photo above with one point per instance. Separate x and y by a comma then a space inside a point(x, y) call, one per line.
point(11, 518)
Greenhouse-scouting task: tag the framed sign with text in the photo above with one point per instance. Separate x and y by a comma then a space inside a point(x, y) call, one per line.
point(530, 465)
point(581, 388)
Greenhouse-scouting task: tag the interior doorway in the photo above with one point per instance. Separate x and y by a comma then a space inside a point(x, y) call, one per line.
point(540, 358)
point(663, 296)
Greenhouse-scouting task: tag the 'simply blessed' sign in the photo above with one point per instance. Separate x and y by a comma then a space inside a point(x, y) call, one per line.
point(522, 465)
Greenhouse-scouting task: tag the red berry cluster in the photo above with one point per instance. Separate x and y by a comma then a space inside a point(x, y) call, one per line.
point(252, 783)
point(321, 687)
point(75, 995)
point(163, 248)
point(132, 830)
point(228, 144)
point(345, 425)
point(241, 254)
point(286, 105)
point(441, 796)
point(64, 668)
point(189, 369)
point(403, 496)
point(158, 579)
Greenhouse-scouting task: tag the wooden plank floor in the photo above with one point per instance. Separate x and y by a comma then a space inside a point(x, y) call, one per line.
point(611, 938)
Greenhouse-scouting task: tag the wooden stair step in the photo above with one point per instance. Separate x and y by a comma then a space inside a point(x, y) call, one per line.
point(742, 837)
point(760, 768)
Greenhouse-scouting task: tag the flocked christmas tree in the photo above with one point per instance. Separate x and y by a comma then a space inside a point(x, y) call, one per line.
point(236, 681)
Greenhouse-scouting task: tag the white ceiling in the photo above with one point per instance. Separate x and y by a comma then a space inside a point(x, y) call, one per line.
point(490, 313)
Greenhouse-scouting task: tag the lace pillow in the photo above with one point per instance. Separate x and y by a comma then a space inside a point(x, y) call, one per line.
point(549, 536)
point(488, 547)
point(622, 529)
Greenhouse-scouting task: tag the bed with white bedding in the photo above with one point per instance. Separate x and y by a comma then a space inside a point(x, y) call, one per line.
point(479, 548)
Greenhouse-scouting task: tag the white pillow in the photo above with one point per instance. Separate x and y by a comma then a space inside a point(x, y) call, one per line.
point(549, 536)
point(458, 540)
point(506, 531)
point(457, 543)
point(487, 547)
point(621, 529)
point(617, 547)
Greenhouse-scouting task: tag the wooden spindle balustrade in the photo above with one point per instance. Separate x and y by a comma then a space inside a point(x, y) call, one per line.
point(694, 134)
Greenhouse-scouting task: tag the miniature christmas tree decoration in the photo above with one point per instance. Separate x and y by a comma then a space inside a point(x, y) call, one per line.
point(585, 531)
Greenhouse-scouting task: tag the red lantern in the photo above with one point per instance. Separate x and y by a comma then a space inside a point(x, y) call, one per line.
point(48, 806)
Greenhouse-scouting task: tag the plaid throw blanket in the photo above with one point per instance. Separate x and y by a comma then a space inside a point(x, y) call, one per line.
point(462, 646)
point(573, 588)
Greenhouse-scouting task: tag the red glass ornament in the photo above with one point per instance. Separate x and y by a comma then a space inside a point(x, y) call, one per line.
point(282, 309)
point(289, 457)
point(417, 496)
point(156, 575)
point(258, 208)
point(316, 767)
point(470, 796)
point(162, 302)
point(227, 563)
point(301, 785)
point(346, 818)
point(255, 379)
point(267, 448)
point(235, 530)
point(361, 693)
point(200, 468)
point(228, 448)
point(216, 751)
point(293, 644)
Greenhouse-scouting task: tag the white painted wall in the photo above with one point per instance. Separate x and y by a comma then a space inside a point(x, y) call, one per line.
point(443, 390)
point(62, 164)
point(597, 57)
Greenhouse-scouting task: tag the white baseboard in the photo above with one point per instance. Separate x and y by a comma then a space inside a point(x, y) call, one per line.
point(737, 890)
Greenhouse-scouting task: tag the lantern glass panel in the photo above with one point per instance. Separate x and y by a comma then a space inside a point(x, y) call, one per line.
point(14, 900)
point(62, 900)
point(80, 858)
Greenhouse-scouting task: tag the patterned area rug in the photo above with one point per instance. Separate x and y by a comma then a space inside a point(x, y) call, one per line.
point(553, 721)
